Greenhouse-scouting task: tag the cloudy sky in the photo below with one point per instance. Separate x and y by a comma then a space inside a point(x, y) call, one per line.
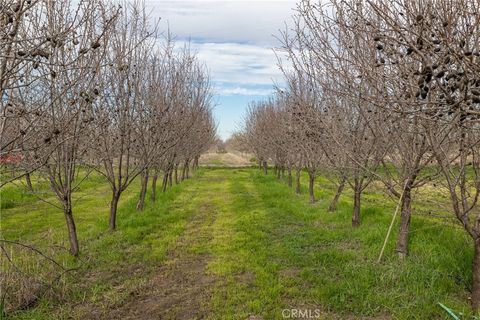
point(235, 40)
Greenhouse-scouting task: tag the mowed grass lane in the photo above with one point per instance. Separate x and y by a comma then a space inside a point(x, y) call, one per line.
point(235, 244)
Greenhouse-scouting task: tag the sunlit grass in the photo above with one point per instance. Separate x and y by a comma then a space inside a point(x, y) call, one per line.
point(268, 248)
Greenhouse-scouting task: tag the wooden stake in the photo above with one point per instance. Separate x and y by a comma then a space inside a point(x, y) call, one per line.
point(391, 226)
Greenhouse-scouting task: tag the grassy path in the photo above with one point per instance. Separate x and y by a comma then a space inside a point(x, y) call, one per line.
point(179, 288)
point(234, 244)
point(253, 249)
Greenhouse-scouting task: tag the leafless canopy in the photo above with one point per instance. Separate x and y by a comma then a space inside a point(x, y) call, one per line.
point(95, 86)
point(376, 83)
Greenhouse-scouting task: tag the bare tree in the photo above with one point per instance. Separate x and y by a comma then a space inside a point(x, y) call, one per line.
point(34, 37)
point(430, 52)
point(60, 102)
point(130, 58)
point(420, 65)
point(179, 132)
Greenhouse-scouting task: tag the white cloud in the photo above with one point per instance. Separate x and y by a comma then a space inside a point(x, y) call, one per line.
point(253, 22)
point(234, 39)
point(243, 91)
point(239, 63)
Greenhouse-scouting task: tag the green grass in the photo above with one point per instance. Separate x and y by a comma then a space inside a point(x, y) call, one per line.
point(105, 256)
point(269, 249)
point(338, 264)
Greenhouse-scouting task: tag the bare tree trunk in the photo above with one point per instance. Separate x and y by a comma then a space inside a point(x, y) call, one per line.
point(164, 182)
point(153, 197)
point(333, 205)
point(290, 177)
point(265, 167)
point(311, 184)
point(406, 213)
point(176, 174)
point(143, 190)
point(195, 163)
point(113, 209)
point(283, 172)
point(298, 186)
point(187, 164)
point(476, 277)
point(278, 172)
point(170, 178)
point(72, 230)
point(356, 204)
point(29, 182)
point(184, 169)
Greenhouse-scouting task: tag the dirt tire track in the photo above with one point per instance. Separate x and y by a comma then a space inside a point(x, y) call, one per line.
point(181, 287)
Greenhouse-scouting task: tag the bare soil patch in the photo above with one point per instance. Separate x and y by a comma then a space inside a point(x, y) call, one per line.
point(229, 159)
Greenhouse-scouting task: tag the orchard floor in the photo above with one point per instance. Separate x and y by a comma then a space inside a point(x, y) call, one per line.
point(227, 159)
point(235, 244)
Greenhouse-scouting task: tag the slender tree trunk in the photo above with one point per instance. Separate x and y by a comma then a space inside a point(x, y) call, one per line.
point(406, 213)
point(164, 181)
point(170, 178)
point(176, 174)
point(298, 186)
point(72, 230)
point(184, 169)
point(187, 164)
point(290, 177)
point(265, 167)
point(283, 172)
point(195, 163)
point(153, 196)
point(356, 204)
point(333, 205)
point(476, 277)
point(29, 182)
point(275, 170)
point(311, 184)
point(143, 190)
point(113, 209)
point(279, 172)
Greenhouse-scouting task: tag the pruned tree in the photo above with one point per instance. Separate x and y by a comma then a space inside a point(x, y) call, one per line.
point(418, 66)
point(59, 93)
point(130, 60)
